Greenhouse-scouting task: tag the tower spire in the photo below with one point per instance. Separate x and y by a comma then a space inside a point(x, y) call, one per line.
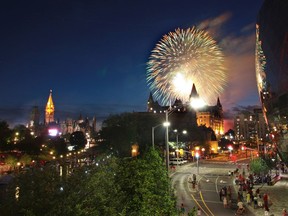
point(49, 111)
point(194, 92)
point(218, 102)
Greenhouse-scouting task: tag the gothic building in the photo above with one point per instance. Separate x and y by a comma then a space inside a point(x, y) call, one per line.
point(68, 126)
point(209, 116)
point(49, 110)
point(86, 125)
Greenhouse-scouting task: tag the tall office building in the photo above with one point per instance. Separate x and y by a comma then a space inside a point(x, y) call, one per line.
point(250, 126)
point(272, 68)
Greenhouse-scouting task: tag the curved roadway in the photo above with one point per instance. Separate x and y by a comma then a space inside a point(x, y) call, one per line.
point(213, 176)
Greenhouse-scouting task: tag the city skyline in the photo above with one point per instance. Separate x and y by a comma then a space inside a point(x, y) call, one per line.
point(93, 55)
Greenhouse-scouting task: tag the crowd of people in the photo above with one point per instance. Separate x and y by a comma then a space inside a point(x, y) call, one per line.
point(248, 193)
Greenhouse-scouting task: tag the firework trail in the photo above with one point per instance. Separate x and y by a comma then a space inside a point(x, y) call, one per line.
point(184, 57)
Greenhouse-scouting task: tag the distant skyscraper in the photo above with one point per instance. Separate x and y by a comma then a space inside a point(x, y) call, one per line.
point(50, 109)
point(272, 68)
point(250, 125)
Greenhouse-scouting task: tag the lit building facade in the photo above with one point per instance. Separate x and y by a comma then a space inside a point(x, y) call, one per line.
point(209, 116)
point(250, 126)
point(212, 116)
point(49, 110)
point(272, 68)
point(66, 127)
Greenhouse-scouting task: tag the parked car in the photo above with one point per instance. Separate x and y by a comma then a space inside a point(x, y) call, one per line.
point(175, 161)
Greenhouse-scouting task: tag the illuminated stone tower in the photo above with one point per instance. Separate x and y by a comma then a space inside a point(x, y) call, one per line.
point(49, 111)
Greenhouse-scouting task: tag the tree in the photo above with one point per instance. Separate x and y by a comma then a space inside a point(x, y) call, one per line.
point(23, 132)
point(11, 161)
point(115, 187)
point(59, 145)
point(121, 131)
point(258, 166)
point(39, 192)
point(25, 160)
point(78, 140)
point(146, 186)
point(5, 135)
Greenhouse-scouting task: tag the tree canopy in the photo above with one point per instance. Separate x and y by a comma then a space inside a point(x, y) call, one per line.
point(131, 186)
point(258, 166)
point(78, 140)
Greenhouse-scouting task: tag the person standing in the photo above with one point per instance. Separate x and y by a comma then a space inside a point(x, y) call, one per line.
point(199, 212)
point(284, 212)
point(248, 198)
point(259, 200)
point(225, 202)
point(265, 199)
point(220, 195)
point(182, 209)
point(255, 201)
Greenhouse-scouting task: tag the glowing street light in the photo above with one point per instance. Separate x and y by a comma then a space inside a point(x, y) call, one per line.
point(197, 155)
point(177, 146)
point(167, 124)
point(195, 102)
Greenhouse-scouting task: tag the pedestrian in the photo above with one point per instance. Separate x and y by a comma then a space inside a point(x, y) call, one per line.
point(248, 198)
point(284, 212)
point(240, 206)
point(199, 212)
point(239, 195)
point(182, 209)
point(225, 191)
point(229, 192)
point(257, 191)
point(260, 203)
point(255, 200)
point(220, 195)
point(225, 202)
point(265, 199)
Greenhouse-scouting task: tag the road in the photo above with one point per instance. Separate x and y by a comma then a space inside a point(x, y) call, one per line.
point(213, 176)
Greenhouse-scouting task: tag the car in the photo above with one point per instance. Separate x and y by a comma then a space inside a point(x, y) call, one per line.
point(175, 161)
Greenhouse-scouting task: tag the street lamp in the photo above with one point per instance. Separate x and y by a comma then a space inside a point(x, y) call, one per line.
point(177, 146)
point(195, 102)
point(197, 155)
point(167, 124)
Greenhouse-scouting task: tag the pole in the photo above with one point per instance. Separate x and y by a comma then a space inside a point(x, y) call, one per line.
point(167, 144)
point(177, 147)
point(198, 165)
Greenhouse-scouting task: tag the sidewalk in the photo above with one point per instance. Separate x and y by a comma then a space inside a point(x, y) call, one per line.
point(277, 196)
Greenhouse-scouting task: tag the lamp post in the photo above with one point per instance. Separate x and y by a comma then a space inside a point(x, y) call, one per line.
point(195, 103)
point(153, 137)
point(177, 146)
point(167, 124)
point(197, 155)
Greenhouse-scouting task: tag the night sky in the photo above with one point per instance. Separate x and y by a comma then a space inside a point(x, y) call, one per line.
point(93, 53)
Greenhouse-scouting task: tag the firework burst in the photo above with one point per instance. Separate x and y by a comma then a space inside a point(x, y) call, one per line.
point(184, 57)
